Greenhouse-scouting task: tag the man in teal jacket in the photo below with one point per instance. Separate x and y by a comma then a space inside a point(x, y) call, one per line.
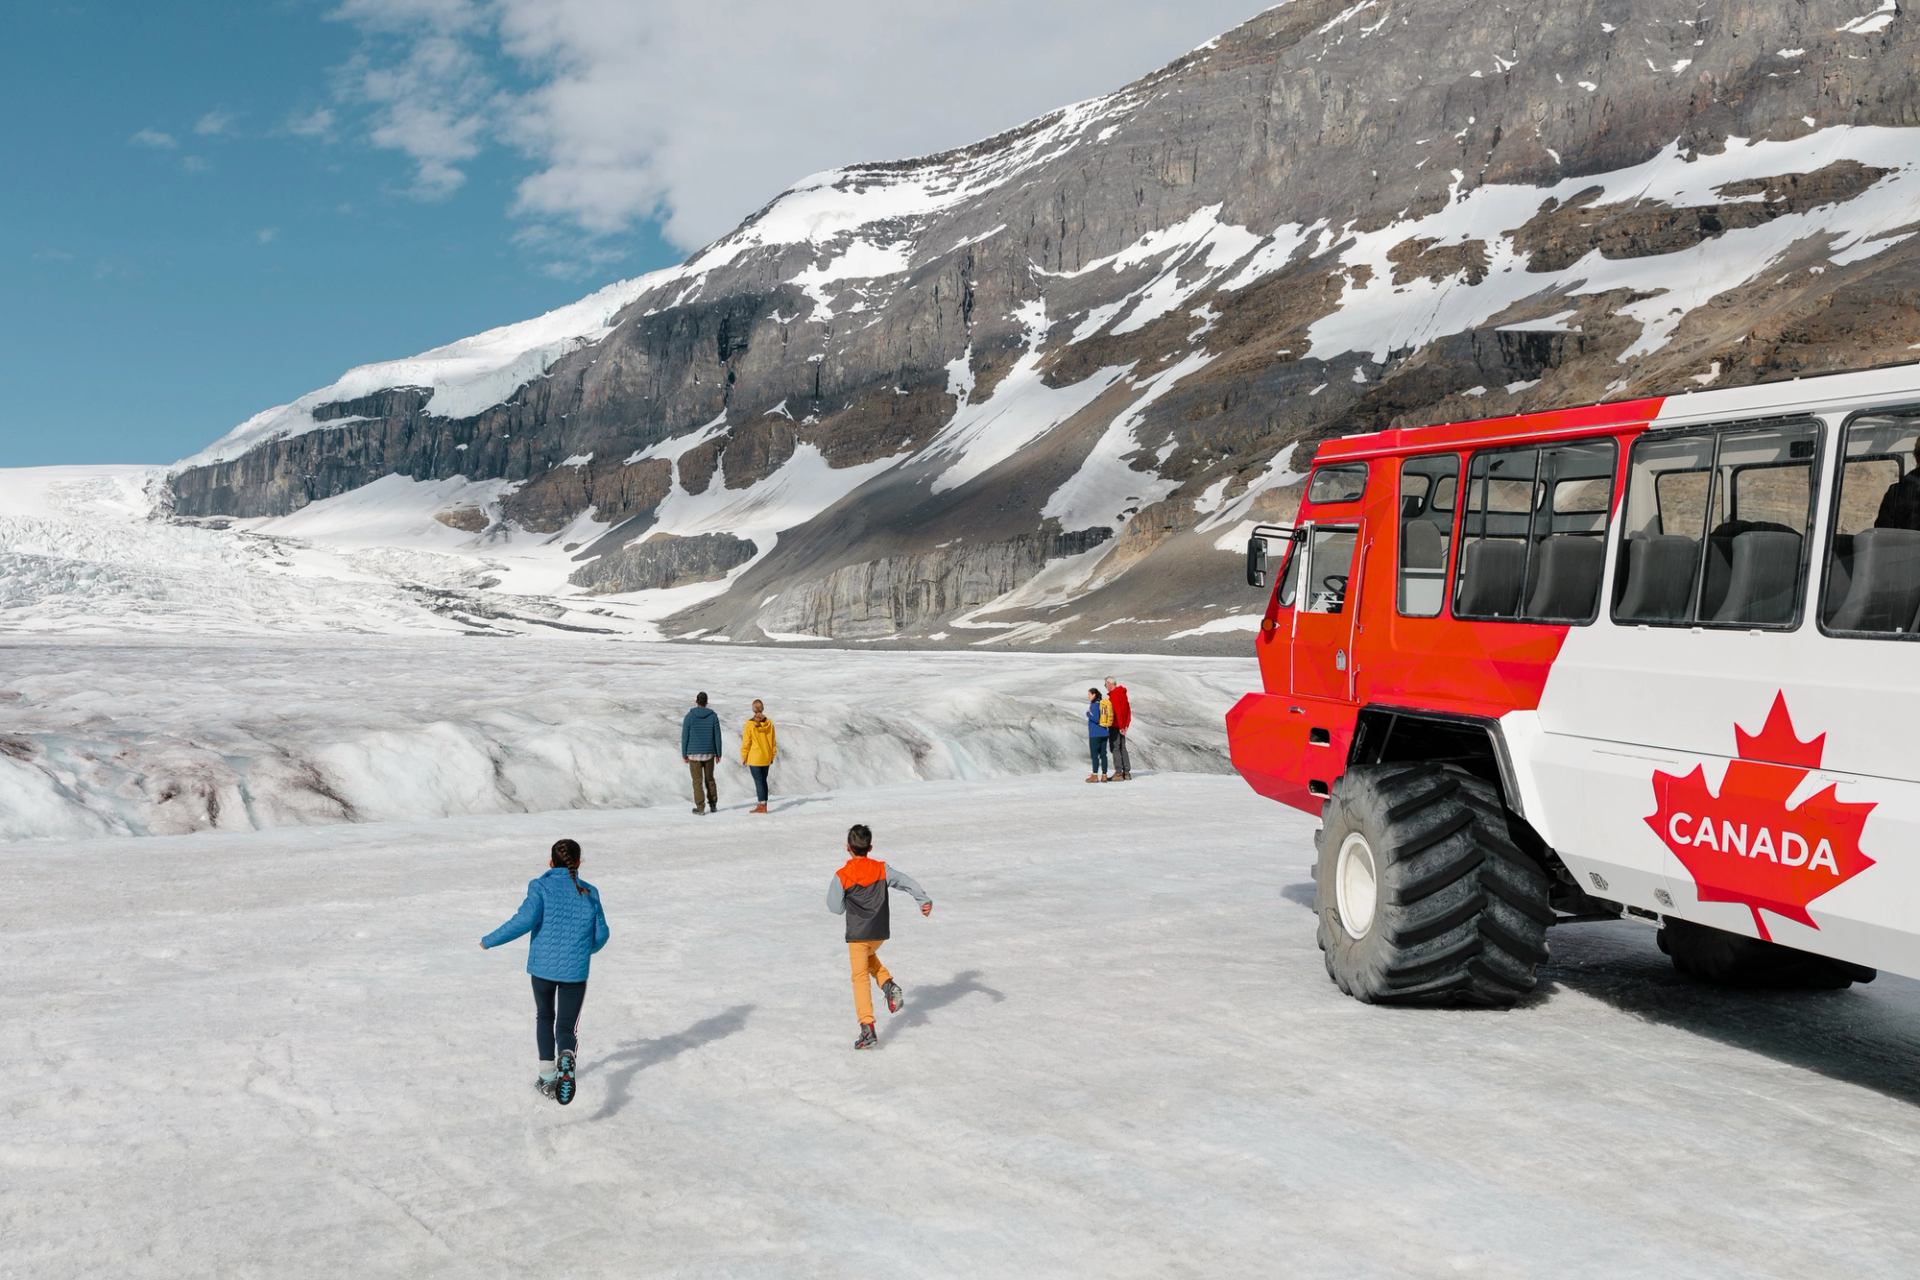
point(700, 748)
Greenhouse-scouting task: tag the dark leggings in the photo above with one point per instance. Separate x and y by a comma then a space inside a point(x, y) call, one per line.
point(556, 1013)
point(759, 772)
point(1097, 748)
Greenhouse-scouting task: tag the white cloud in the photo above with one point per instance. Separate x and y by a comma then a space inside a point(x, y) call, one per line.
point(317, 123)
point(431, 102)
point(195, 164)
point(673, 111)
point(267, 235)
point(214, 123)
point(154, 138)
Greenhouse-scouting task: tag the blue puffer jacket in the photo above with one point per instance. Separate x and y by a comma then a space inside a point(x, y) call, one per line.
point(568, 927)
point(1094, 728)
point(700, 733)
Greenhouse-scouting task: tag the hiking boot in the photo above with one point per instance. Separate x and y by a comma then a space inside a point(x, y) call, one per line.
point(891, 990)
point(698, 809)
point(759, 808)
point(544, 1082)
point(563, 1083)
point(867, 1040)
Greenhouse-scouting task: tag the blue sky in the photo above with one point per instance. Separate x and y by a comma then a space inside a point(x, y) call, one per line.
point(210, 208)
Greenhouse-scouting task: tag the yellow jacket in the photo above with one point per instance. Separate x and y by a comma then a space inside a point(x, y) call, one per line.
point(756, 742)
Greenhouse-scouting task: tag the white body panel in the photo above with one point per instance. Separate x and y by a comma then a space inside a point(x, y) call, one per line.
point(1626, 702)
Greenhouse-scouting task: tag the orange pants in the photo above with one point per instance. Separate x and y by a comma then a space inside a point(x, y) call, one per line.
point(864, 958)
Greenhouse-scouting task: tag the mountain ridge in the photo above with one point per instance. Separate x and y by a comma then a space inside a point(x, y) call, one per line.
point(1031, 390)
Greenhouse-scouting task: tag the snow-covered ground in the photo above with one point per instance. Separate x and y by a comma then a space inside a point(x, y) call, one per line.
point(138, 736)
point(283, 1054)
point(89, 551)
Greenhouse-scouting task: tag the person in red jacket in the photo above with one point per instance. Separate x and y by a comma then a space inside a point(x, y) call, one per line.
point(1117, 735)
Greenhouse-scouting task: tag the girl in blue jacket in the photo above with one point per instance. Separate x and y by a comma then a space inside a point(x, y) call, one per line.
point(563, 913)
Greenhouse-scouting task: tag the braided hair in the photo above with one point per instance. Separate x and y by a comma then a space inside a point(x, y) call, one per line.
point(566, 853)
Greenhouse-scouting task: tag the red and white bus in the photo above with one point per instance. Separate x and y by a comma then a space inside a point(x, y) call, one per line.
point(1651, 658)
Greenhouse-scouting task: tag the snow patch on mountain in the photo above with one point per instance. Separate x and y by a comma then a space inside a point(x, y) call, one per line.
point(465, 377)
point(1377, 316)
point(1021, 410)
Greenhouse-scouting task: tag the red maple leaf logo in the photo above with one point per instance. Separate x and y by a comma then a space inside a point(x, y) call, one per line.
point(1745, 844)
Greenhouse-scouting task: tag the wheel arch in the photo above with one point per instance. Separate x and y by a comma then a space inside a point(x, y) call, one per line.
point(1385, 734)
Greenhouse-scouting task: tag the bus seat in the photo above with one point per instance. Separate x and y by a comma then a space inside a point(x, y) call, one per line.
point(1660, 569)
point(1885, 592)
point(1423, 545)
point(1763, 580)
point(1492, 571)
point(1719, 571)
point(1566, 579)
point(1839, 576)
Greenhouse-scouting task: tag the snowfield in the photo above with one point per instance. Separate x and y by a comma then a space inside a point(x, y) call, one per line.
point(167, 737)
point(283, 1054)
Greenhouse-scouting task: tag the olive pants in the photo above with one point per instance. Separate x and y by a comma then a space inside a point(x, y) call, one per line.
point(703, 780)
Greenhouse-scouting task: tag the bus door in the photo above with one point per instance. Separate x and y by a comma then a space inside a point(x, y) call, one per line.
point(1327, 597)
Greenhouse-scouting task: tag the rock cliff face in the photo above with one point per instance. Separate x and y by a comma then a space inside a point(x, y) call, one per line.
point(1047, 376)
point(663, 561)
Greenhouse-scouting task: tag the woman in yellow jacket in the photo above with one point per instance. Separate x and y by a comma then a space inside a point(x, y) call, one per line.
point(757, 750)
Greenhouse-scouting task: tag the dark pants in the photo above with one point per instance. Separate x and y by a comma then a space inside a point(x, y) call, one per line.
point(556, 1014)
point(1097, 748)
point(759, 772)
point(1117, 743)
point(703, 781)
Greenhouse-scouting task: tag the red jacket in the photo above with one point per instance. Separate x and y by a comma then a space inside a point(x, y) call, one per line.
point(1122, 709)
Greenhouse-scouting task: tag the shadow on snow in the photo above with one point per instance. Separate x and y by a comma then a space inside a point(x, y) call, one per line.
point(622, 1065)
point(1858, 1036)
point(922, 999)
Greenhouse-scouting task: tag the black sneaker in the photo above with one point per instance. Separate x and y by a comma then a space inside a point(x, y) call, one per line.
point(563, 1083)
point(867, 1040)
point(698, 809)
point(894, 998)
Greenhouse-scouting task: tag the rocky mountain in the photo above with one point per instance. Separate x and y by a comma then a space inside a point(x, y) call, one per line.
point(1031, 391)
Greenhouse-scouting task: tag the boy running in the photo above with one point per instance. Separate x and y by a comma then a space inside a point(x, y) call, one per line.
point(859, 892)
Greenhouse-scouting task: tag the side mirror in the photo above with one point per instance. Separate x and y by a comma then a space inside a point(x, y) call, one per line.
point(1257, 550)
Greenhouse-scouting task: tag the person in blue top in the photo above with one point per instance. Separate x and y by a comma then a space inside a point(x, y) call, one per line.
point(1099, 721)
point(564, 915)
point(700, 748)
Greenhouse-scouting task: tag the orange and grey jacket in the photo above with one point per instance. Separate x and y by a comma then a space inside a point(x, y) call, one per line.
point(859, 892)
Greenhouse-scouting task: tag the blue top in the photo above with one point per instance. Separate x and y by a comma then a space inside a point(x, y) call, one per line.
point(568, 927)
point(1094, 728)
point(700, 733)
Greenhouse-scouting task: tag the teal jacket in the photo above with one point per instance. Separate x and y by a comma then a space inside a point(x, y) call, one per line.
point(568, 927)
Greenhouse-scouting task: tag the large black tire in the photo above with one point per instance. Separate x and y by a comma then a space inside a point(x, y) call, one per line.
point(1459, 914)
point(1713, 955)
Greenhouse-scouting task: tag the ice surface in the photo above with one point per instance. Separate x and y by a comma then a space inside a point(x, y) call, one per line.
point(138, 738)
point(284, 1055)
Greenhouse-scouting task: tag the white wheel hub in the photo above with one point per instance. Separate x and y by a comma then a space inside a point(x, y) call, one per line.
point(1356, 885)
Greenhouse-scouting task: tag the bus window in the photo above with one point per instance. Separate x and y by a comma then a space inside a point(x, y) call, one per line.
point(1426, 532)
point(1716, 523)
point(1330, 565)
point(1533, 535)
point(1873, 553)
